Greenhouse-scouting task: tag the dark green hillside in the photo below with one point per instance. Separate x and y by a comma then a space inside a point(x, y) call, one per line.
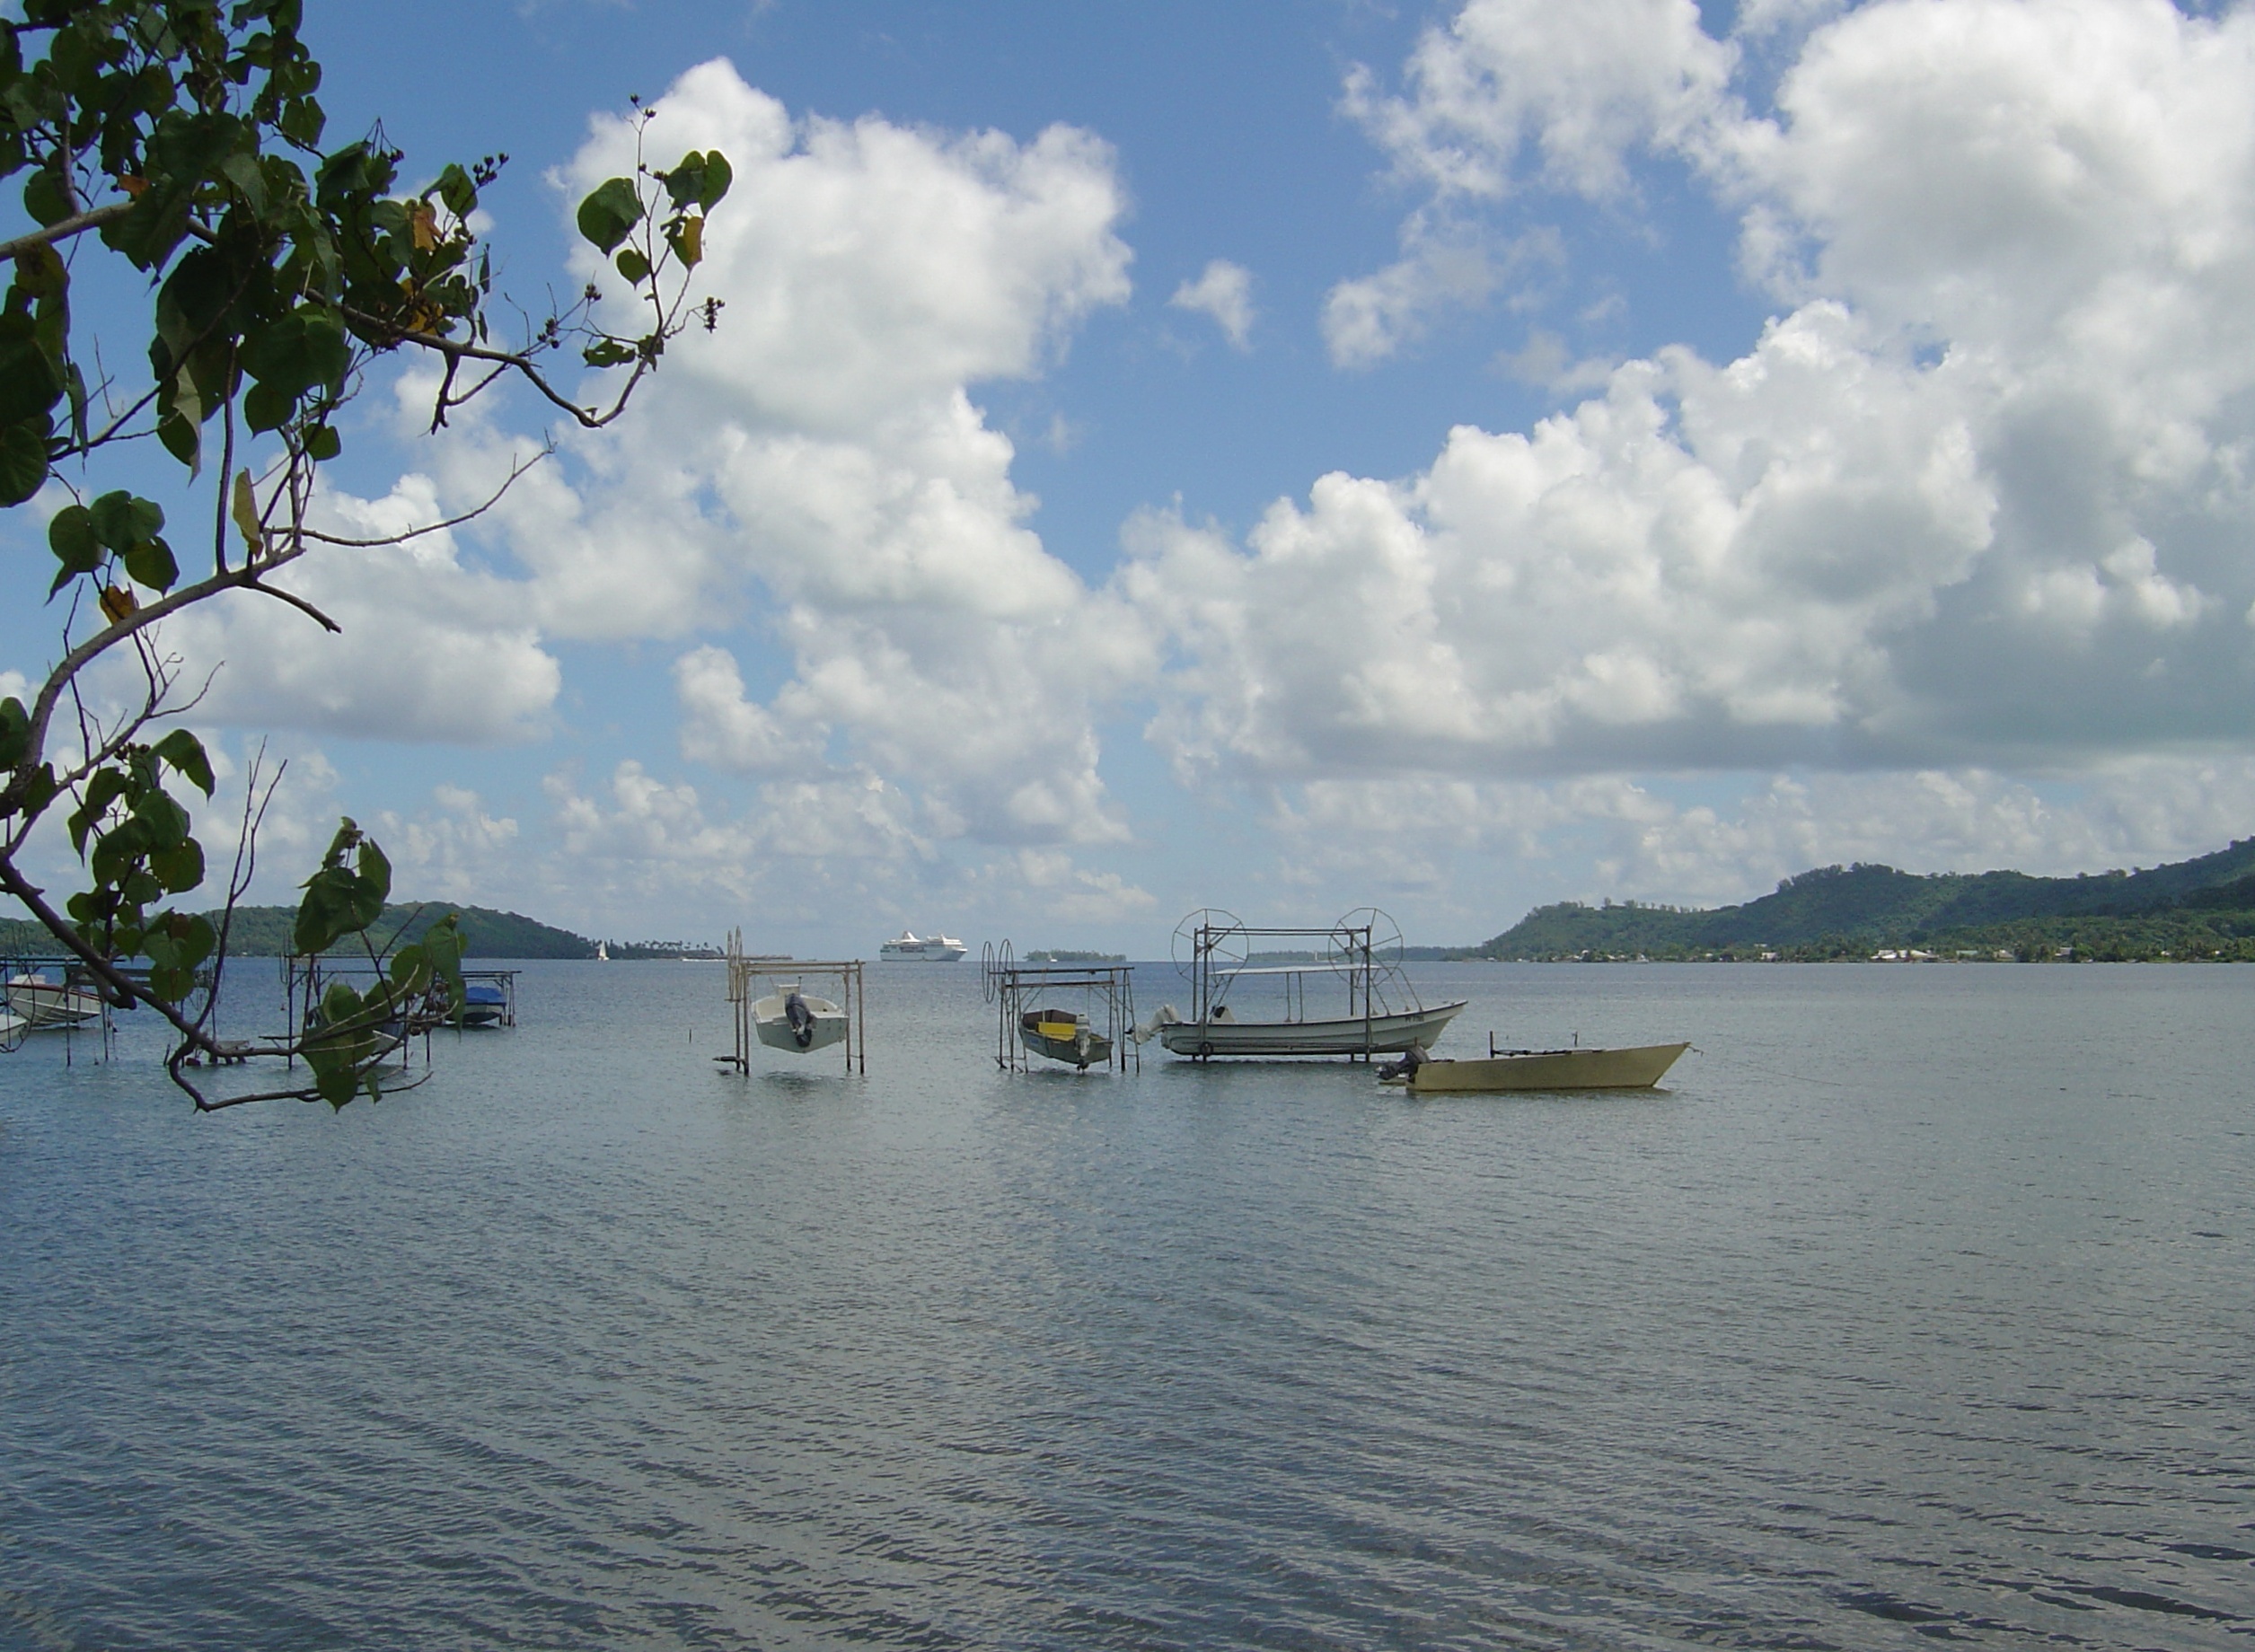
point(264, 932)
point(2201, 908)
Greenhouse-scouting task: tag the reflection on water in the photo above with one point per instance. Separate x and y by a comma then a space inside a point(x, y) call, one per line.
point(1918, 1308)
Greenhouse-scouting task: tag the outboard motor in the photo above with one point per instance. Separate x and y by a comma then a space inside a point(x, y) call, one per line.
point(801, 1018)
point(1405, 1068)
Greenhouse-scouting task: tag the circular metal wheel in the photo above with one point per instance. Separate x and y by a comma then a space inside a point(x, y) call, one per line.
point(993, 964)
point(1343, 949)
point(1225, 939)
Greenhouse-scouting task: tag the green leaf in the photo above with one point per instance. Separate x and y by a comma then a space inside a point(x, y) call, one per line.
point(185, 755)
point(31, 379)
point(608, 353)
point(15, 731)
point(45, 199)
point(610, 212)
point(121, 521)
point(699, 180)
point(715, 180)
point(686, 236)
point(71, 537)
point(454, 187)
point(632, 265)
point(322, 444)
point(178, 868)
point(293, 354)
point(342, 898)
point(268, 407)
point(151, 564)
point(39, 271)
point(23, 460)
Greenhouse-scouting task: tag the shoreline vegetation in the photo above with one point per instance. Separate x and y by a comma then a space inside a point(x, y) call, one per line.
point(2200, 911)
point(264, 932)
point(2192, 911)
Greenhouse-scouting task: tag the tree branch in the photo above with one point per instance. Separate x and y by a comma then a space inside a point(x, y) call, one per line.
point(587, 417)
point(77, 224)
point(127, 993)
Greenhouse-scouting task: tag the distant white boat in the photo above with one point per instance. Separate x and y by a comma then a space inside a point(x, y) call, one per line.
point(788, 1020)
point(908, 947)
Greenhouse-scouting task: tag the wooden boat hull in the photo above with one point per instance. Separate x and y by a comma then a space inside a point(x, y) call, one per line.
point(1377, 1035)
point(772, 1024)
point(1549, 1069)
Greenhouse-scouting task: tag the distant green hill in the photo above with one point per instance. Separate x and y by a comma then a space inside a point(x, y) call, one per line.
point(264, 932)
point(2202, 908)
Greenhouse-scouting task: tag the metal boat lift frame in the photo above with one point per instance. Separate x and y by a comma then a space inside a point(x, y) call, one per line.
point(746, 970)
point(303, 979)
point(1343, 949)
point(76, 976)
point(1011, 986)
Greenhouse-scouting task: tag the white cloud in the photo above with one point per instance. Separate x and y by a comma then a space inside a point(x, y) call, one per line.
point(1980, 497)
point(1452, 856)
point(819, 461)
point(1062, 890)
point(456, 851)
point(800, 853)
point(1446, 264)
point(430, 649)
point(1583, 85)
point(1223, 291)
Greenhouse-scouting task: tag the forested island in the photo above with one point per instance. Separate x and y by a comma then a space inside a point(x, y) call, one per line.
point(264, 932)
point(2200, 909)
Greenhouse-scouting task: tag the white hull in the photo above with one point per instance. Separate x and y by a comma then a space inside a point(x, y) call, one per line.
point(772, 1024)
point(1377, 1036)
point(44, 1004)
point(908, 949)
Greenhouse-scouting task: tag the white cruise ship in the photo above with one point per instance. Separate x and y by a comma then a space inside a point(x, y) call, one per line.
point(908, 948)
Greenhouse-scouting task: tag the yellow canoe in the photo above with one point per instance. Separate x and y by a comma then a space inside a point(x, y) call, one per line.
point(1550, 1069)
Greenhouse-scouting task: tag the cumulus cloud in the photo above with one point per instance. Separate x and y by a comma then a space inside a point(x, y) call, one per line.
point(1583, 85)
point(1979, 497)
point(1452, 855)
point(431, 647)
point(1446, 264)
point(1223, 291)
point(454, 850)
point(820, 463)
point(638, 841)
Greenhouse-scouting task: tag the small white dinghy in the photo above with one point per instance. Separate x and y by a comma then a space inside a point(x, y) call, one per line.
point(788, 1020)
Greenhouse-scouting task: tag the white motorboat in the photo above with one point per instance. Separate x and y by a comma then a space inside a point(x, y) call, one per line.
point(909, 947)
point(1387, 1034)
point(44, 1003)
point(1359, 957)
point(788, 1020)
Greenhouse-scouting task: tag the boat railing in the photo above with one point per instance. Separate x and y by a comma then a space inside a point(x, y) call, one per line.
point(1215, 949)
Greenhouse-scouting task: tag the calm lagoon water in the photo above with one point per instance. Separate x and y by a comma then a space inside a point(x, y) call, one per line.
point(1921, 1306)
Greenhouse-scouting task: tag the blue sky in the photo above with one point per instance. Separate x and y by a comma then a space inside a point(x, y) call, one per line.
point(1293, 456)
